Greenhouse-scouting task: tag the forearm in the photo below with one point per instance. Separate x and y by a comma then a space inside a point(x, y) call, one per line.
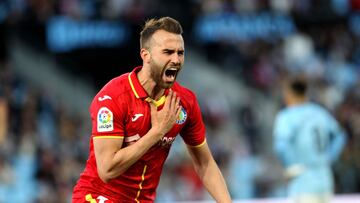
point(283, 151)
point(213, 181)
point(122, 159)
point(113, 160)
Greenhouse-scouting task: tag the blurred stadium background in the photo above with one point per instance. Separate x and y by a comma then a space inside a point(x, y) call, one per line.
point(56, 54)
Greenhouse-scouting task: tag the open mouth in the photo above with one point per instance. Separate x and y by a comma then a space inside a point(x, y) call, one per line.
point(170, 74)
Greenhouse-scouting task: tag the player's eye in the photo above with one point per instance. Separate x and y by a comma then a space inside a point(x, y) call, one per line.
point(168, 52)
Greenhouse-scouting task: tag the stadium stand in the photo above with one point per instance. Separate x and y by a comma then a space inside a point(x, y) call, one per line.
point(46, 84)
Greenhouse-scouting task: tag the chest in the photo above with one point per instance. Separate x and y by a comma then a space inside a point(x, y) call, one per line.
point(138, 122)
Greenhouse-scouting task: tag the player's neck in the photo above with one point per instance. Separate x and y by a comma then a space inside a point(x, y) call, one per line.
point(157, 92)
point(154, 91)
point(293, 101)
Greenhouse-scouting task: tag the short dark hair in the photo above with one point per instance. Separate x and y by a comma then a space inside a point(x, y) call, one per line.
point(298, 86)
point(151, 26)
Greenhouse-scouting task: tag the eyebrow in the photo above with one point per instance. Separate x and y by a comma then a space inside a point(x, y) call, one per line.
point(173, 50)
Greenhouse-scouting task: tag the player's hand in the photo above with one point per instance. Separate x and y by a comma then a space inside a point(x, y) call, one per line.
point(164, 120)
point(294, 171)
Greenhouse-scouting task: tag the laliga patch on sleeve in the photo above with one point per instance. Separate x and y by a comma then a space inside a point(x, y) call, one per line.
point(105, 120)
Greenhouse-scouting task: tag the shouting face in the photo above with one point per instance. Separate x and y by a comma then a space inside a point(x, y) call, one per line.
point(166, 57)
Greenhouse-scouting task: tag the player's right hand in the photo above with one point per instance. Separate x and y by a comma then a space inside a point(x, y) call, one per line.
point(164, 120)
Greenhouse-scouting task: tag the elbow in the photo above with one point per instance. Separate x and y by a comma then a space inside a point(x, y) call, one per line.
point(201, 166)
point(104, 176)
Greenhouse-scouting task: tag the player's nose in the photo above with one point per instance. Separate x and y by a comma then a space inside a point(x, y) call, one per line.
point(176, 59)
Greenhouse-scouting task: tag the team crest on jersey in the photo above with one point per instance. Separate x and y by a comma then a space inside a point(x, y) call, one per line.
point(105, 121)
point(182, 117)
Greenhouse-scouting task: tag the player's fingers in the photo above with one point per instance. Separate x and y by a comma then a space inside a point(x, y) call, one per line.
point(168, 100)
point(177, 103)
point(153, 109)
point(173, 102)
point(178, 110)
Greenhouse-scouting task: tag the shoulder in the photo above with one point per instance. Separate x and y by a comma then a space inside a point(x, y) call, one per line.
point(283, 113)
point(117, 85)
point(283, 117)
point(319, 109)
point(325, 113)
point(184, 92)
point(112, 91)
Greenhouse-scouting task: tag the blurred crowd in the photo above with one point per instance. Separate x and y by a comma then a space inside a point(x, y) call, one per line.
point(325, 49)
point(44, 146)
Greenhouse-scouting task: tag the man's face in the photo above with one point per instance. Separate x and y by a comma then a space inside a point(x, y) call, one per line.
point(166, 57)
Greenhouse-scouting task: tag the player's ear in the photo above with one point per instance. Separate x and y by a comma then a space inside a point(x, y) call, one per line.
point(145, 55)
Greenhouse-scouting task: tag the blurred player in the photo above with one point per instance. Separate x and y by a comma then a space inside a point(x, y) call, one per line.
point(307, 140)
point(135, 119)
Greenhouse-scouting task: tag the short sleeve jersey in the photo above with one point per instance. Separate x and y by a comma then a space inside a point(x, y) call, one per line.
point(121, 111)
point(308, 135)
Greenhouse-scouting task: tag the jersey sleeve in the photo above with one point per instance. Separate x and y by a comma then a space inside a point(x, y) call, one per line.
point(282, 139)
point(107, 116)
point(193, 132)
point(337, 138)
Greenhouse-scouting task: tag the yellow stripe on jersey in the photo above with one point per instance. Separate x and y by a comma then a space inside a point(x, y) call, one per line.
point(108, 137)
point(140, 184)
point(200, 145)
point(157, 103)
point(132, 86)
point(160, 102)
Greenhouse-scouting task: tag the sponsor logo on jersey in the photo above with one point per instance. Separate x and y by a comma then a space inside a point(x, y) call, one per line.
point(136, 116)
point(101, 199)
point(105, 120)
point(182, 117)
point(105, 97)
point(166, 141)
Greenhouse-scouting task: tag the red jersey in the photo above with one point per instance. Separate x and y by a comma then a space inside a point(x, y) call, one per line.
point(121, 110)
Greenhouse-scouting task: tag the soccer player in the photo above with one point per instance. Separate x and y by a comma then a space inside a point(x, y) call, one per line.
point(135, 119)
point(307, 139)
